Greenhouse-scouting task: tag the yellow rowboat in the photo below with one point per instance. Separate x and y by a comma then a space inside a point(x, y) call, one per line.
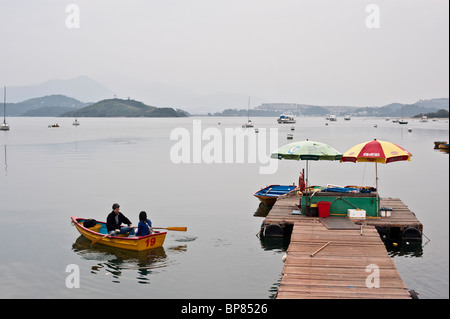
point(98, 234)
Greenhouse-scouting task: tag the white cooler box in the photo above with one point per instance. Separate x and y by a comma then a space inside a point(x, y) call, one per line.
point(356, 213)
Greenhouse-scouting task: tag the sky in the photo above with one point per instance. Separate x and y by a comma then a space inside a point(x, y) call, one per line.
point(321, 52)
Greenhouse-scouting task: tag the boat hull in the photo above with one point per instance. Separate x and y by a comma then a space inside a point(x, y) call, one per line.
point(269, 195)
point(280, 121)
point(140, 243)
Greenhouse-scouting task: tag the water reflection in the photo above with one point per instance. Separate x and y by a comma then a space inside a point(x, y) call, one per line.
point(262, 210)
point(442, 150)
point(405, 248)
point(275, 243)
point(279, 244)
point(113, 261)
point(6, 161)
point(273, 290)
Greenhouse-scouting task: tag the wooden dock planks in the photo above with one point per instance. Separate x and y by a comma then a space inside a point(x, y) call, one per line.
point(339, 269)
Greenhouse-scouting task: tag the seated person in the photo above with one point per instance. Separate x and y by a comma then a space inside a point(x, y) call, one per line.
point(144, 226)
point(115, 219)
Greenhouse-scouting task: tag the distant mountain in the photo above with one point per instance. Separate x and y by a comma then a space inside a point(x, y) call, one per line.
point(390, 110)
point(51, 105)
point(219, 101)
point(81, 88)
point(441, 103)
point(124, 108)
point(162, 94)
point(406, 110)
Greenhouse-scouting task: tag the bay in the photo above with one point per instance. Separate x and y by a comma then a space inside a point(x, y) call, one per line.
point(48, 175)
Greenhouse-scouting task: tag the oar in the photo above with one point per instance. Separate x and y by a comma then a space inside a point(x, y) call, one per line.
point(172, 228)
point(94, 241)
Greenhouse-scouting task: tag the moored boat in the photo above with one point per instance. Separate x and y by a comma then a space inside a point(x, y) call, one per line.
point(248, 124)
point(437, 143)
point(286, 119)
point(4, 126)
point(98, 234)
point(268, 195)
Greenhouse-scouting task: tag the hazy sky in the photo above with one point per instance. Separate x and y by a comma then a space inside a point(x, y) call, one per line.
point(316, 52)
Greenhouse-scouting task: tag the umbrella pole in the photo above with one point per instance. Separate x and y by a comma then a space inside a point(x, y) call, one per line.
point(376, 182)
point(306, 181)
point(376, 175)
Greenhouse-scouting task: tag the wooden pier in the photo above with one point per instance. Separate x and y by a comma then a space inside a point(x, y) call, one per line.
point(348, 261)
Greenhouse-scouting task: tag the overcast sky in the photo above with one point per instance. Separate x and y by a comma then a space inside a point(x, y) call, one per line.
point(315, 52)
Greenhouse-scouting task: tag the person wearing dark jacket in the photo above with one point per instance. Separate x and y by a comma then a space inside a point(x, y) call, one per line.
point(115, 220)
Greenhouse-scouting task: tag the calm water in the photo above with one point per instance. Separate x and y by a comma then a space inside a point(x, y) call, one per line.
point(50, 174)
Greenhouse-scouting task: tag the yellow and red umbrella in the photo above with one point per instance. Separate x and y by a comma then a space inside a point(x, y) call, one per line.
point(376, 152)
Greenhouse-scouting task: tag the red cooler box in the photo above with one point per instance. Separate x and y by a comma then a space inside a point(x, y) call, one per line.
point(324, 209)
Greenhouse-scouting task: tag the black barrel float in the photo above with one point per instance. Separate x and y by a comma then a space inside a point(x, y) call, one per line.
point(411, 233)
point(273, 230)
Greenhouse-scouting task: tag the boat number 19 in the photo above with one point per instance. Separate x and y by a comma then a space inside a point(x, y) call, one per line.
point(150, 241)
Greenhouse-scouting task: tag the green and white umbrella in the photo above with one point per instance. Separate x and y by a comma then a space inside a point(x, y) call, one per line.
point(308, 151)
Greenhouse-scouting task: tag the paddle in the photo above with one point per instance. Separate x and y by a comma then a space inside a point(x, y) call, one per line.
point(172, 228)
point(93, 242)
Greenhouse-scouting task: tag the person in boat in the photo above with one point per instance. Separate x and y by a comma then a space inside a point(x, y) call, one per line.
point(145, 225)
point(114, 221)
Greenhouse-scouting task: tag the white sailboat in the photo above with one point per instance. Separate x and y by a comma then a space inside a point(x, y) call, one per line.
point(402, 121)
point(5, 126)
point(249, 122)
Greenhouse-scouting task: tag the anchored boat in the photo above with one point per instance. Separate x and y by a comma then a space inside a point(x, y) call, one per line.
point(268, 195)
point(286, 119)
point(98, 234)
point(4, 126)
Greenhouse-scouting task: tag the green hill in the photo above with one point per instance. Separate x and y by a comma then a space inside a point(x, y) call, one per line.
point(124, 108)
point(50, 105)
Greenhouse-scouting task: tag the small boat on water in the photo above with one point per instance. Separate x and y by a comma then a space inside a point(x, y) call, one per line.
point(4, 126)
point(248, 124)
point(437, 143)
point(98, 234)
point(424, 119)
point(347, 117)
point(54, 125)
point(287, 118)
point(268, 195)
point(332, 118)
